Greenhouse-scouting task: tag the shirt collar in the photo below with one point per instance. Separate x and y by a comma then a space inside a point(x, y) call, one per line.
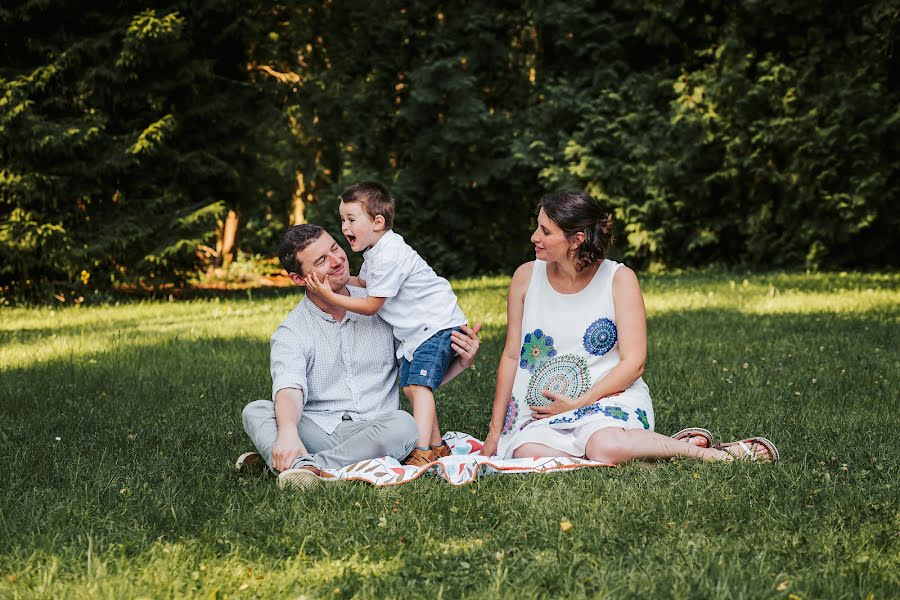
point(386, 240)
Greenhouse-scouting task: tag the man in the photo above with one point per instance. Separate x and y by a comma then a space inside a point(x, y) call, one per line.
point(334, 376)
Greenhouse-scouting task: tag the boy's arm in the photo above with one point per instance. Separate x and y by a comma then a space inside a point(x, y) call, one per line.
point(364, 306)
point(355, 281)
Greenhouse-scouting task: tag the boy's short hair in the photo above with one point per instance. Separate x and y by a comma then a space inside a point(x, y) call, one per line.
point(374, 197)
point(294, 240)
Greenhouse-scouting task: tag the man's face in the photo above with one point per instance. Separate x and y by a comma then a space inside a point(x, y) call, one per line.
point(327, 260)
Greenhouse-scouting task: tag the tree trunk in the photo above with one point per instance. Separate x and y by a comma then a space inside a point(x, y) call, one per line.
point(226, 244)
point(298, 201)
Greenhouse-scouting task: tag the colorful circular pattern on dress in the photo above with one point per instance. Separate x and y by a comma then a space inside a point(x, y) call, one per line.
point(567, 374)
point(512, 411)
point(600, 337)
point(537, 347)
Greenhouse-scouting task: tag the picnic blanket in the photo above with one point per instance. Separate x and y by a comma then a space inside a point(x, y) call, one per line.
point(461, 467)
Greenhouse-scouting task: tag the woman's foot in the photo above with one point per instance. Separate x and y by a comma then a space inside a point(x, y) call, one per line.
point(695, 436)
point(757, 449)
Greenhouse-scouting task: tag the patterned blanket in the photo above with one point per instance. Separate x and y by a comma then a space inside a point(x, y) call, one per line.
point(461, 467)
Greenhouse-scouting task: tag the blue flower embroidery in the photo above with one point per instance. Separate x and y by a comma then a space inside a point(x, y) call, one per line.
point(642, 417)
point(610, 411)
point(537, 348)
point(600, 337)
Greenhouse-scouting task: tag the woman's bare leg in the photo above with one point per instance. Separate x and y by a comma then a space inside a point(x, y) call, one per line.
point(615, 446)
point(534, 450)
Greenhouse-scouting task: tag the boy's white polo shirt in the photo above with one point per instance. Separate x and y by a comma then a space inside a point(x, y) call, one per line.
point(418, 302)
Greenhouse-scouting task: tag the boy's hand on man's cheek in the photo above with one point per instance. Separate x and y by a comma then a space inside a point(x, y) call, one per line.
point(319, 286)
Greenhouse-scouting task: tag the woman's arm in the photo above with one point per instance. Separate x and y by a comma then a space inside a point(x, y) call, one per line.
point(631, 324)
point(509, 359)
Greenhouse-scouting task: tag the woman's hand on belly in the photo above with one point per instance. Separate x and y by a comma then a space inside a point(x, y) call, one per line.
point(560, 403)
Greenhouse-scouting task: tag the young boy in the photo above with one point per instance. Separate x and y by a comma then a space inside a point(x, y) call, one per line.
point(420, 307)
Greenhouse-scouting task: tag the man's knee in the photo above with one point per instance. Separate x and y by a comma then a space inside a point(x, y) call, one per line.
point(406, 425)
point(401, 426)
point(255, 412)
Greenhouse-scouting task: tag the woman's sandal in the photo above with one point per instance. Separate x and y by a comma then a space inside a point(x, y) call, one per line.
point(750, 447)
point(686, 434)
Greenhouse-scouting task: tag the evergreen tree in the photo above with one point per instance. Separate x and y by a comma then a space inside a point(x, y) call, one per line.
point(125, 133)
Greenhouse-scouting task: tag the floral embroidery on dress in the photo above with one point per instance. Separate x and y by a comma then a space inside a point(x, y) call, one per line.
point(537, 348)
point(512, 411)
point(567, 375)
point(642, 417)
point(615, 412)
point(600, 337)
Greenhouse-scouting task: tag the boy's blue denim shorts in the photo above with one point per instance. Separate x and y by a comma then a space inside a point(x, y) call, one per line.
point(429, 361)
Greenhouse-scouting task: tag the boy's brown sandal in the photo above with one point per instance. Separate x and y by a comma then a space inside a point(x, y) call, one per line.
point(420, 458)
point(441, 450)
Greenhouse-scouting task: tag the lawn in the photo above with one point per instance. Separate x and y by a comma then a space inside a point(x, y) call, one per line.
point(119, 426)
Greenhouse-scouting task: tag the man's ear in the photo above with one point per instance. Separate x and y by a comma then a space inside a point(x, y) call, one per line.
point(378, 222)
point(297, 279)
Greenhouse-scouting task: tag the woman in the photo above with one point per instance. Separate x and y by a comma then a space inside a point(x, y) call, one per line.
point(569, 380)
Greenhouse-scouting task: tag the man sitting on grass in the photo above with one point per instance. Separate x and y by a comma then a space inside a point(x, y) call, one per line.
point(334, 377)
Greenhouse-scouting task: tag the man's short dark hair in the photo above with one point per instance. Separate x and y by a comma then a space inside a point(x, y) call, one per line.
point(293, 241)
point(374, 197)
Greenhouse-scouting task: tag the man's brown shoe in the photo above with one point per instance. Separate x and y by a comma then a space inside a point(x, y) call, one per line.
point(304, 477)
point(250, 463)
point(420, 458)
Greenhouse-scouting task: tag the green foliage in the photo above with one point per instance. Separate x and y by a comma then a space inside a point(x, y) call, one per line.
point(126, 132)
point(756, 134)
point(730, 132)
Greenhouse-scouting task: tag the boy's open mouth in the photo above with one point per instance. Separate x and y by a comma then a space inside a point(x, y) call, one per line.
point(351, 239)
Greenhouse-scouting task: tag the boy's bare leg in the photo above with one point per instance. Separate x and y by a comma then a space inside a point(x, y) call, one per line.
point(422, 400)
point(436, 438)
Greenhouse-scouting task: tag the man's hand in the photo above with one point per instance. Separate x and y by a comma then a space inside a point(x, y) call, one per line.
point(560, 404)
point(466, 343)
point(320, 287)
point(286, 449)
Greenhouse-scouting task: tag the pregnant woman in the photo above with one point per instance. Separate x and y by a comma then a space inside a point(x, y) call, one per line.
point(569, 380)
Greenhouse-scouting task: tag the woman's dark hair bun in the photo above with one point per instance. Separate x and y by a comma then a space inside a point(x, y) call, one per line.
point(576, 212)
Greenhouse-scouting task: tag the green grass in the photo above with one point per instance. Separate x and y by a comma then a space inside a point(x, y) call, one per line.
point(119, 425)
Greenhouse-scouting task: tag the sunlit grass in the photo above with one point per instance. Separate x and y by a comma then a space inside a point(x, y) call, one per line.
point(120, 423)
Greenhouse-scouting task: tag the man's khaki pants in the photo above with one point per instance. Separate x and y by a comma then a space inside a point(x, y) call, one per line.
point(391, 434)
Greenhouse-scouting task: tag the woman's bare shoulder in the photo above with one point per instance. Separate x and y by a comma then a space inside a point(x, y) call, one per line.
point(522, 275)
point(624, 275)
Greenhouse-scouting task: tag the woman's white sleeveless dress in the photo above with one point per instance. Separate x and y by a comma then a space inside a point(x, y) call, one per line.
point(569, 341)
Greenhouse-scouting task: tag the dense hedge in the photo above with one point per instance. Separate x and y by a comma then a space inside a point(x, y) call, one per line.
point(759, 133)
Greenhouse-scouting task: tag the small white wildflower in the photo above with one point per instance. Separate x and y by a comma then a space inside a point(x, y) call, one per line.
point(58, 439)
